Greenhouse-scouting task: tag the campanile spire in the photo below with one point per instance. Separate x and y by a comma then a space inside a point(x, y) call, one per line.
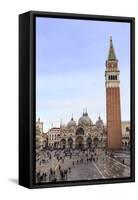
point(111, 53)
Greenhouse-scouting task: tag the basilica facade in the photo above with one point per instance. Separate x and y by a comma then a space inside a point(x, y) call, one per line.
point(82, 134)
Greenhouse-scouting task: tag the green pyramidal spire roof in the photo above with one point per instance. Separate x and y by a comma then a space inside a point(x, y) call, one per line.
point(111, 54)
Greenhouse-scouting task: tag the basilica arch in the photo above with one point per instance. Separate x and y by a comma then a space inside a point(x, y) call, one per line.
point(63, 143)
point(79, 142)
point(95, 141)
point(70, 142)
point(80, 131)
point(89, 142)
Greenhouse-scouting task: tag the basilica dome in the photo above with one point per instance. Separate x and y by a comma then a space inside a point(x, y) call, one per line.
point(71, 123)
point(85, 120)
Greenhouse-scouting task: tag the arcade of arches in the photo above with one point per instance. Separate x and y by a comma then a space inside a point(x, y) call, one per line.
point(80, 141)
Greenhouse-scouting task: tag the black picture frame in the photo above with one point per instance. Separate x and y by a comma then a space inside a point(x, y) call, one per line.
point(27, 102)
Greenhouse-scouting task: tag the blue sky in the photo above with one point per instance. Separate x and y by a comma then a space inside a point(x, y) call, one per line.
point(70, 68)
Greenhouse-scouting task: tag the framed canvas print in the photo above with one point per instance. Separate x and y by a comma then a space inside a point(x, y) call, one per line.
point(76, 99)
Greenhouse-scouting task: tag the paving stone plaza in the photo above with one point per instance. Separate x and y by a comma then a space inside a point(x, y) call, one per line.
point(65, 165)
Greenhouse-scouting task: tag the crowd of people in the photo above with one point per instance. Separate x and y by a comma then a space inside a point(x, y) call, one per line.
point(51, 166)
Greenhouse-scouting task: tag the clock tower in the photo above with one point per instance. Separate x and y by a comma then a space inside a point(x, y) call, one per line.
point(113, 108)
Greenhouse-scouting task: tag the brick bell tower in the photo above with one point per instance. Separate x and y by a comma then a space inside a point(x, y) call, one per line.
point(113, 110)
